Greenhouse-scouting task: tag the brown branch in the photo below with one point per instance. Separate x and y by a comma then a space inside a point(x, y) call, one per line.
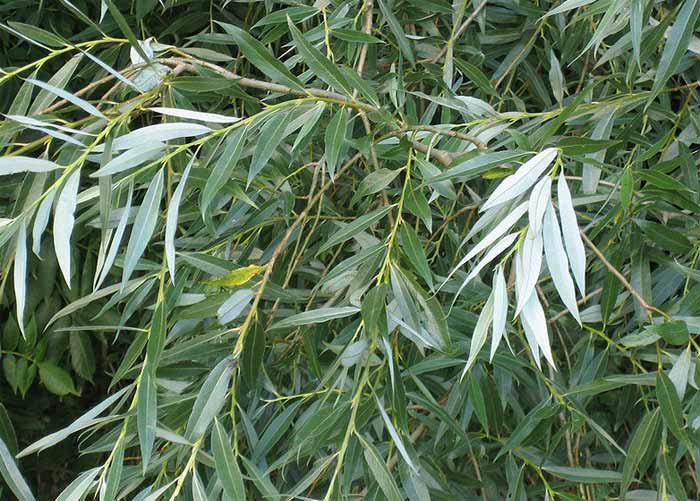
point(443, 132)
point(621, 278)
point(580, 302)
point(190, 63)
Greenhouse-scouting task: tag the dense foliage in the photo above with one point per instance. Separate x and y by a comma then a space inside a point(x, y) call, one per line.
point(350, 250)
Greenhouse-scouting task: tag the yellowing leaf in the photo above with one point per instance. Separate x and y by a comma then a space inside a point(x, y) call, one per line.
point(237, 277)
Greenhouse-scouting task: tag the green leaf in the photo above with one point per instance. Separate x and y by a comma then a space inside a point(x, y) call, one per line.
point(172, 220)
point(126, 30)
point(320, 65)
point(144, 225)
point(669, 470)
point(473, 167)
point(19, 274)
point(335, 138)
point(80, 423)
point(670, 405)
point(12, 476)
point(14, 165)
point(37, 34)
point(146, 416)
point(223, 169)
point(397, 30)
point(259, 56)
point(374, 312)
point(583, 475)
point(131, 158)
point(253, 354)
point(641, 440)
point(271, 135)
point(352, 229)
point(114, 474)
point(210, 399)
point(56, 380)
point(663, 181)
point(316, 316)
point(77, 489)
point(226, 465)
point(676, 45)
point(63, 221)
point(666, 237)
point(673, 332)
point(380, 471)
point(80, 103)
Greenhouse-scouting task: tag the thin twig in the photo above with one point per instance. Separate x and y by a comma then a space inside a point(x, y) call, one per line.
point(621, 278)
point(459, 31)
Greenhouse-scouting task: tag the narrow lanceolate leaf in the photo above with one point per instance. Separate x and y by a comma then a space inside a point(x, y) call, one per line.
point(497, 232)
point(335, 139)
point(492, 254)
point(572, 237)
point(131, 158)
point(226, 464)
point(380, 471)
point(681, 372)
point(63, 220)
point(126, 30)
point(530, 263)
point(146, 416)
point(676, 44)
point(12, 476)
point(260, 57)
point(171, 220)
point(526, 175)
point(114, 474)
point(77, 489)
point(583, 475)
point(20, 273)
point(641, 440)
point(195, 115)
point(210, 399)
point(415, 253)
point(223, 168)
point(374, 312)
point(319, 64)
point(63, 94)
point(558, 263)
point(480, 332)
point(670, 405)
point(535, 326)
point(316, 316)
point(154, 133)
point(352, 229)
point(116, 240)
point(397, 30)
point(395, 436)
point(477, 165)
point(539, 198)
point(556, 78)
point(16, 164)
point(232, 308)
point(500, 309)
point(144, 225)
point(80, 423)
point(271, 135)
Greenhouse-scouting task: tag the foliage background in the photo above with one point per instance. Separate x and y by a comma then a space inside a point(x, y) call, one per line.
point(371, 134)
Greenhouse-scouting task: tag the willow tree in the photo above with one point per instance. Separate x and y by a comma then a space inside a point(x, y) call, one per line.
point(394, 250)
